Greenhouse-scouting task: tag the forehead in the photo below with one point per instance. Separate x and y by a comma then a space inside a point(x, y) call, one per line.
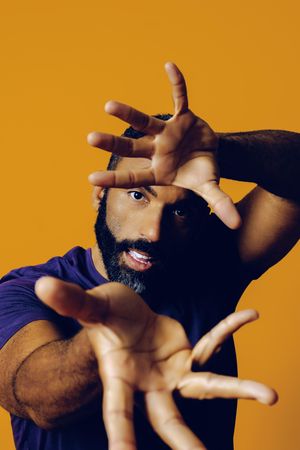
point(169, 194)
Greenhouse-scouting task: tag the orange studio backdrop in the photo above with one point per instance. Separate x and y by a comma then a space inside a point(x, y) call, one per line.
point(60, 62)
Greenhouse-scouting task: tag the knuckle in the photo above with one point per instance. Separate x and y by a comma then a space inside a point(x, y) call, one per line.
point(129, 147)
point(208, 186)
point(114, 144)
point(174, 419)
point(115, 413)
point(144, 122)
point(121, 443)
point(221, 198)
point(131, 178)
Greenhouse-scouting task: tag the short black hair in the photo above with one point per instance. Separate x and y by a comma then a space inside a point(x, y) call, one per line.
point(133, 134)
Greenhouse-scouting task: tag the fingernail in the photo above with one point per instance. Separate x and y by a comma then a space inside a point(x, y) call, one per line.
point(92, 137)
point(110, 107)
point(92, 177)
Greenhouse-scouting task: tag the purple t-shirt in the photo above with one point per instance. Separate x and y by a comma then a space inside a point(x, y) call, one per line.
point(206, 299)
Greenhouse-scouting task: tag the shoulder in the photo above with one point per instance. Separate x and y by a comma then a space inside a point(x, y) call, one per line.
point(58, 266)
point(19, 304)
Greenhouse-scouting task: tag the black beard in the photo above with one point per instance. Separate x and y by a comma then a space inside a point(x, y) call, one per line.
point(155, 280)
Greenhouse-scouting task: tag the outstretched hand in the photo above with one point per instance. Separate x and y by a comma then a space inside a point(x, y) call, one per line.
point(139, 350)
point(182, 151)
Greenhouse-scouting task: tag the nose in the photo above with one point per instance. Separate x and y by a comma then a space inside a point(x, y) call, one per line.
point(150, 226)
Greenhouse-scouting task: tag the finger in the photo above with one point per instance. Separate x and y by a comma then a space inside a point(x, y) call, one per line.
point(137, 119)
point(208, 385)
point(118, 414)
point(212, 340)
point(120, 145)
point(68, 299)
point(221, 204)
point(168, 423)
point(123, 178)
point(179, 90)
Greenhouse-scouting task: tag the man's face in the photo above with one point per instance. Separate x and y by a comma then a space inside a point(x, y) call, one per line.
point(145, 234)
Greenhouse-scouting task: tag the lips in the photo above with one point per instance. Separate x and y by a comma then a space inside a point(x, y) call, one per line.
point(138, 260)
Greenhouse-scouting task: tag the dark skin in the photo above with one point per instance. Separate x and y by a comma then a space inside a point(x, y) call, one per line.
point(183, 152)
point(178, 154)
point(137, 349)
point(138, 213)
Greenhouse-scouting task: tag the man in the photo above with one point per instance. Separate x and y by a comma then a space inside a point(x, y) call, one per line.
point(155, 235)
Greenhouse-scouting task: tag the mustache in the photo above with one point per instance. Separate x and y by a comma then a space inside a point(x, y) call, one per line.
point(154, 249)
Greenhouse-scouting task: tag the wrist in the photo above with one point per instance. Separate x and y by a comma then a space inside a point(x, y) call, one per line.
point(226, 156)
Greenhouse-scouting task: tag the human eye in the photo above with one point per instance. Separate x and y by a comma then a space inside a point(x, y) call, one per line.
point(136, 195)
point(180, 212)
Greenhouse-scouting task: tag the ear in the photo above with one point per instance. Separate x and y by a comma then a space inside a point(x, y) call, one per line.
point(97, 196)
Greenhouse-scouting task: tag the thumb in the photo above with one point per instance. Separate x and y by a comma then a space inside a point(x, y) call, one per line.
point(221, 204)
point(69, 299)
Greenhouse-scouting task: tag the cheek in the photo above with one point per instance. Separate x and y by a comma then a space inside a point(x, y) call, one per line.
point(114, 223)
point(118, 219)
point(184, 234)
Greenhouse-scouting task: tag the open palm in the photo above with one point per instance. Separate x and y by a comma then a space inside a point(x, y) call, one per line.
point(182, 151)
point(139, 350)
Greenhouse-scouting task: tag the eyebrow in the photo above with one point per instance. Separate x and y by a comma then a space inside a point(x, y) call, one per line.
point(150, 190)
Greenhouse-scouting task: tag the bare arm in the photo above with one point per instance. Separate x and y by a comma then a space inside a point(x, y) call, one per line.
point(269, 158)
point(184, 151)
point(138, 350)
point(271, 211)
point(52, 380)
point(47, 378)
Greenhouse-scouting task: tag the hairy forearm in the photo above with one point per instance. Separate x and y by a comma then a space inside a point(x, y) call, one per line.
point(58, 382)
point(270, 158)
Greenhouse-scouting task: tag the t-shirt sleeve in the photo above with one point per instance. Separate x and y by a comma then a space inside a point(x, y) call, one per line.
point(19, 306)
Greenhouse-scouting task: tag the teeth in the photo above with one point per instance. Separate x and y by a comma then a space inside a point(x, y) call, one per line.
point(139, 256)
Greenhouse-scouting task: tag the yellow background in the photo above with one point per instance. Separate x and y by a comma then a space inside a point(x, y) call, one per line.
point(61, 60)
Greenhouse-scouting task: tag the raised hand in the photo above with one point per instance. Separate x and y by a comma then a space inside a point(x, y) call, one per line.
point(140, 350)
point(182, 151)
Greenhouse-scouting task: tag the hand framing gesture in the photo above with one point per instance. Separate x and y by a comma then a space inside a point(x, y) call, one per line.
point(139, 350)
point(182, 151)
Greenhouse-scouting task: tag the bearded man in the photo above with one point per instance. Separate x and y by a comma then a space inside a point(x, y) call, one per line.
point(72, 342)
